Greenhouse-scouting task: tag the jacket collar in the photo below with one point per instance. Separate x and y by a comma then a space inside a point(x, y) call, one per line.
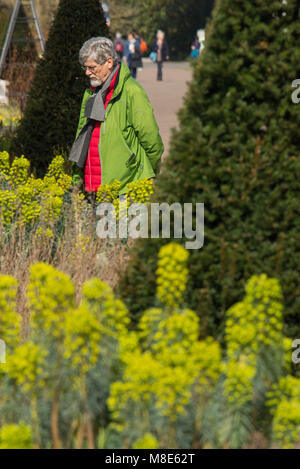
point(124, 74)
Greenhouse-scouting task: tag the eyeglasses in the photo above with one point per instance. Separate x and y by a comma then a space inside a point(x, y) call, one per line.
point(90, 69)
point(93, 68)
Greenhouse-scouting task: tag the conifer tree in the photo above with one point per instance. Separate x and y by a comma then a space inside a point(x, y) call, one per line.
point(51, 115)
point(236, 150)
point(21, 58)
point(4, 21)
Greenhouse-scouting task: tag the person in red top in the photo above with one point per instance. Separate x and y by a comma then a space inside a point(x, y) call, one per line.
point(92, 171)
point(117, 136)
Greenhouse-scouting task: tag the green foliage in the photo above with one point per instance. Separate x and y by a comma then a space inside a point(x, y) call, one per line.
point(68, 349)
point(179, 20)
point(284, 403)
point(51, 115)
point(166, 366)
point(10, 321)
point(254, 340)
point(168, 369)
point(237, 151)
point(15, 437)
point(48, 220)
point(9, 118)
point(138, 192)
point(172, 275)
point(29, 201)
point(146, 442)
point(83, 373)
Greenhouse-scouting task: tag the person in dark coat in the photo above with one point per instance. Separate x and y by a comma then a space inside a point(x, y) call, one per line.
point(138, 39)
point(195, 48)
point(132, 54)
point(160, 46)
point(119, 45)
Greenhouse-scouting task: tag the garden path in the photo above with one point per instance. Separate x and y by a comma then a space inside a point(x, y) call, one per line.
point(165, 96)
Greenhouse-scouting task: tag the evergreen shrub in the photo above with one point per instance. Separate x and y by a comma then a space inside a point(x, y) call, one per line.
point(237, 151)
point(82, 378)
point(51, 115)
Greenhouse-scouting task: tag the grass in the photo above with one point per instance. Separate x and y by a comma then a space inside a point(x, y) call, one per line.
point(9, 115)
point(74, 249)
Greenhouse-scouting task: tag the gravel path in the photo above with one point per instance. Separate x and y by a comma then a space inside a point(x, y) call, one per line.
point(165, 96)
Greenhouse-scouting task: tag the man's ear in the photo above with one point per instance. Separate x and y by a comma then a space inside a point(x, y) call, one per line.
point(110, 63)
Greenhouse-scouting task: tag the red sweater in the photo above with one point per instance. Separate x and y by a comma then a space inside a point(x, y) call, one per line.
point(92, 170)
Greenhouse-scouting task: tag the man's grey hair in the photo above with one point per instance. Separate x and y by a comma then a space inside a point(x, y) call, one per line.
point(160, 33)
point(98, 49)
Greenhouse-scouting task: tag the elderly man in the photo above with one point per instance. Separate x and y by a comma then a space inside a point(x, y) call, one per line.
point(117, 136)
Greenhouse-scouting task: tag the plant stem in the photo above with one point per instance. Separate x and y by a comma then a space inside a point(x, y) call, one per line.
point(35, 422)
point(54, 421)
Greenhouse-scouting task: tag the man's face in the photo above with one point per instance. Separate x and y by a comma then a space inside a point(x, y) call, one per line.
point(98, 73)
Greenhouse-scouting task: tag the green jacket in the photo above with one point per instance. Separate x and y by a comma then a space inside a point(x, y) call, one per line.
point(130, 145)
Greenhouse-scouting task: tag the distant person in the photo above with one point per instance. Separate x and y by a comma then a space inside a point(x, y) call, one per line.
point(141, 44)
point(119, 45)
point(132, 54)
point(160, 46)
point(137, 37)
point(195, 48)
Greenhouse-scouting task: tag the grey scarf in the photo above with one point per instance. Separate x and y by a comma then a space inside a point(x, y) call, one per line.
point(94, 111)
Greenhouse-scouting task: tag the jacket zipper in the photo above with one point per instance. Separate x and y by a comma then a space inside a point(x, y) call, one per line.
point(106, 114)
point(103, 131)
point(132, 155)
point(90, 171)
point(101, 169)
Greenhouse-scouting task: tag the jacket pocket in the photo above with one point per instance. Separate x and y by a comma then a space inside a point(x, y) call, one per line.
point(131, 160)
